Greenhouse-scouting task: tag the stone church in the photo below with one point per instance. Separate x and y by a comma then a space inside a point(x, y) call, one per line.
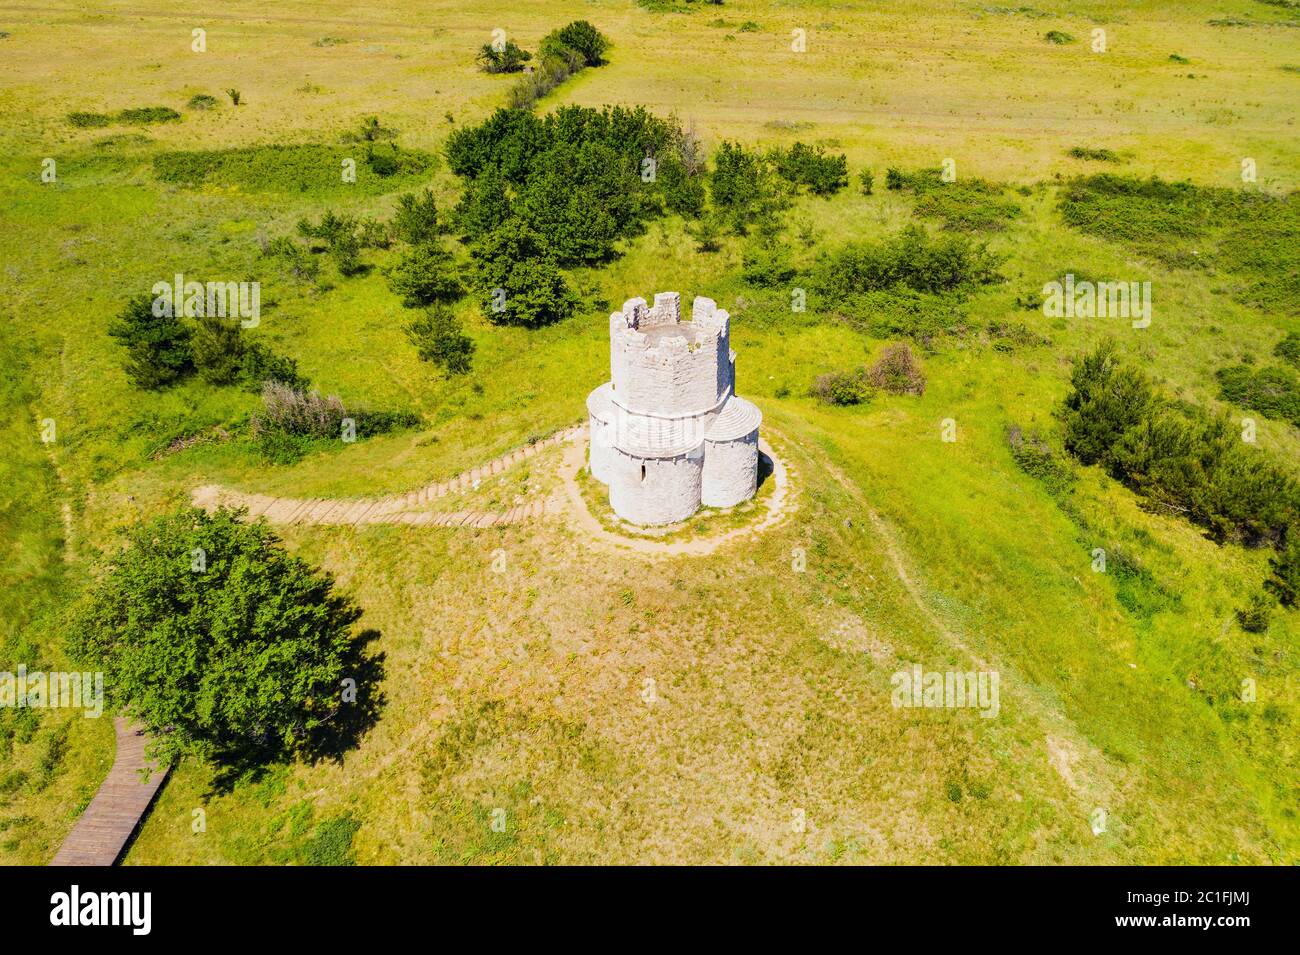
point(668, 433)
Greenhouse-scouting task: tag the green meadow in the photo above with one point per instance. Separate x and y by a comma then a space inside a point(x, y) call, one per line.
point(772, 737)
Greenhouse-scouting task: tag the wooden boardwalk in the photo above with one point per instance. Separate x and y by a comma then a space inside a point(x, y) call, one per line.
point(110, 820)
point(396, 509)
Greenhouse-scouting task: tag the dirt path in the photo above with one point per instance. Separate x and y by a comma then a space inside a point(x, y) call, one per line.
point(1077, 761)
point(395, 509)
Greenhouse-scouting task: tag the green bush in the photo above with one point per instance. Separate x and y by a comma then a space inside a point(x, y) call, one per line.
point(416, 220)
point(1036, 458)
point(842, 388)
point(509, 59)
point(424, 275)
point(810, 166)
point(910, 259)
point(157, 346)
point(331, 843)
point(439, 338)
point(1288, 349)
point(1273, 392)
point(202, 101)
point(218, 350)
point(581, 37)
point(1283, 579)
point(573, 175)
point(1058, 37)
point(1252, 236)
point(1180, 458)
point(89, 120)
point(519, 280)
point(146, 115)
point(766, 264)
point(1095, 155)
point(969, 205)
point(1255, 616)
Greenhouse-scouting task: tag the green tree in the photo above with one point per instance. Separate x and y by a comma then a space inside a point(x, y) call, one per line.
point(215, 638)
point(439, 338)
point(485, 206)
point(218, 348)
point(426, 274)
point(157, 345)
point(416, 220)
point(518, 278)
point(1284, 569)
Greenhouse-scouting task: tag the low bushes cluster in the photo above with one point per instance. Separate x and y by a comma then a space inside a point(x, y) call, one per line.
point(1252, 236)
point(968, 205)
point(1273, 391)
point(1180, 458)
point(163, 349)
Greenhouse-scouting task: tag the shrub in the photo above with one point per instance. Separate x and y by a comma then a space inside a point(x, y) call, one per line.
point(89, 120)
point(810, 166)
point(235, 96)
point(970, 205)
point(707, 233)
point(573, 175)
point(867, 181)
point(1274, 392)
point(383, 162)
point(416, 219)
point(331, 843)
point(1288, 349)
point(1251, 235)
point(744, 188)
point(243, 655)
point(157, 346)
point(580, 37)
point(909, 259)
point(1096, 155)
point(509, 59)
point(424, 275)
point(339, 235)
point(202, 101)
point(289, 410)
point(1058, 37)
point(1255, 616)
point(519, 280)
point(1283, 579)
point(148, 114)
point(766, 264)
point(842, 387)
point(1176, 455)
point(485, 205)
point(260, 364)
point(898, 372)
point(439, 338)
point(218, 350)
point(1036, 458)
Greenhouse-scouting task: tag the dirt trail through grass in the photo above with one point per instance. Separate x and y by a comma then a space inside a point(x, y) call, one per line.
point(394, 509)
point(1076, 760)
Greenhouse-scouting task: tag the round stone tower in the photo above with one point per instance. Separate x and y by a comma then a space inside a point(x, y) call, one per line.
point(667, 430)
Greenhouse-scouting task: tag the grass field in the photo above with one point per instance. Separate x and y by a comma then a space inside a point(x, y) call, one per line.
point(525, 690)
